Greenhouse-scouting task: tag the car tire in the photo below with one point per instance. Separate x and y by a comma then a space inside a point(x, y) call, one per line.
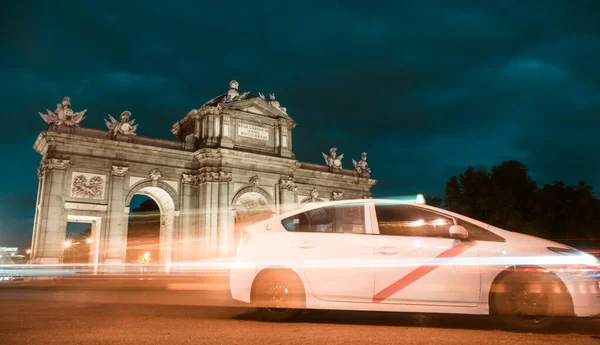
point(278, 295)
point(530, 301)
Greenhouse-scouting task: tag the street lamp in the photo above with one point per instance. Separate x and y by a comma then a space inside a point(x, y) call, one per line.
point(89, 240)
point(68, 244)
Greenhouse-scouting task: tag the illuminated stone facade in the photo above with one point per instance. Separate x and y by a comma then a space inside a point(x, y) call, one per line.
point(231, 163)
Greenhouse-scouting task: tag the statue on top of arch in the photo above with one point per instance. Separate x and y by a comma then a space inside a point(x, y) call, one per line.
point(233, 94)
point(273, 102)
point(362, 167)
point(333, 161)
point(123, 126)
point(63, 115)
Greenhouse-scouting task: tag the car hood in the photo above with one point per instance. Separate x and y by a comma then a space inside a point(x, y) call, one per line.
point(524, 239)
point(528, 245)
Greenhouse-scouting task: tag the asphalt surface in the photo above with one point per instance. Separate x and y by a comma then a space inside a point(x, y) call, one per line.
point(207, 315)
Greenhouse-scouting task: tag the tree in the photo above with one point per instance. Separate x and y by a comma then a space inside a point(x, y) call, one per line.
point(147, 205)
point(453, 199)
point(513, 202)
point(434, 201)
point(507, 197)
point(468, 194)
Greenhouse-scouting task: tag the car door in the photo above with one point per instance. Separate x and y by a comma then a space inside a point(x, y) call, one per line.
point(332, 250)
point(423, 268)
point(396, 252)
point(455, 276)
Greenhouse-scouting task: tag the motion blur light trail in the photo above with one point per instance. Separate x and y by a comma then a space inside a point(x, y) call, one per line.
point(583, 263)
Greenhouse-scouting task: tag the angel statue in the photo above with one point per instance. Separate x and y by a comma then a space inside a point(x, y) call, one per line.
point(362, 167)
point(333, 161)
point(124, 126)
point(63, 115)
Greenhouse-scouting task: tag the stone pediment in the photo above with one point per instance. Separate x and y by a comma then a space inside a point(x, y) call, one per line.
point(248, 103)
point(257, 106)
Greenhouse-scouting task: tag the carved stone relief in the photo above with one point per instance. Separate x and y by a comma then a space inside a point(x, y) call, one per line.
point(53, 163)
point(89, 186)
point(155, 175)
point(189, 179)
point(314, 195)
point(119, 171)
point(337, 195)
point(254, 181)
point(288, 184)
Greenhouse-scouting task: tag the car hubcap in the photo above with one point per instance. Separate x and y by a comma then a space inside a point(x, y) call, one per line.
point(278, 298)
point(530, 307)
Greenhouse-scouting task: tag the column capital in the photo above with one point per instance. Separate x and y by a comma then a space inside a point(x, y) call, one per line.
point(119, 171)
point(288, 184)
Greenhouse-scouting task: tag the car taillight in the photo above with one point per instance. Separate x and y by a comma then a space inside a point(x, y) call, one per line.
point(244, 238)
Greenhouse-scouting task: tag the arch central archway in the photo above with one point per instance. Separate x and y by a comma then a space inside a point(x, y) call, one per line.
point(167, 203)
point(251, 205)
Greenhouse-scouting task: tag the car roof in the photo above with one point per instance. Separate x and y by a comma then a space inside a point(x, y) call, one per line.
point(319, 204)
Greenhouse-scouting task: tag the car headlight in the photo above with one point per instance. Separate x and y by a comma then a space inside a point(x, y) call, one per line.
point(577, 260)
point(565, 251)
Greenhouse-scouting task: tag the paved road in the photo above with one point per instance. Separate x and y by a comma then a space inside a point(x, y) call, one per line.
point(166, 317)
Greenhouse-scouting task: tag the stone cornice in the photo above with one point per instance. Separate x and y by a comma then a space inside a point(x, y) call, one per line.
point(239, 159)
point(48, 137)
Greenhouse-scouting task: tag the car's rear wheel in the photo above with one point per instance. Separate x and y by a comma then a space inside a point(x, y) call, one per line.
point(278, 295)
point(530, 301)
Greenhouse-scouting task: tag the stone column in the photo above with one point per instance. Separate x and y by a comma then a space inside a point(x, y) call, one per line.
point(214, 216)
point(51, 220)
point(209, 200)
point(227, 131)
point(284, 135)
point(188, 237)
point(287, 194)
point(225, 230)
point(202, 247)
point(36, 219)
point(115, 250)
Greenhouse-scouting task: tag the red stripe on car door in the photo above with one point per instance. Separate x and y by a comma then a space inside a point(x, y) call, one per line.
point(421, 271)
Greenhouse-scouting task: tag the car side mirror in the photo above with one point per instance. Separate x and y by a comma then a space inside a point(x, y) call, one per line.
point(459, 232)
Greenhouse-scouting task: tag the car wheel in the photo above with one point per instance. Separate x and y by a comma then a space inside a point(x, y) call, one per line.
point(530, 301)
point(278, 295)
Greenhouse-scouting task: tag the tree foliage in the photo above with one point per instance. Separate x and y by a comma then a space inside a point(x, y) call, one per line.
point(147, 205)
point(507, 197)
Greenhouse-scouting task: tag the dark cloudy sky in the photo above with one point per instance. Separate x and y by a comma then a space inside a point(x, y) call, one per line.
point(425, 87)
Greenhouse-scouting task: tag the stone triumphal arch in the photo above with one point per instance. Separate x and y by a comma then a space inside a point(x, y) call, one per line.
point(230, 164)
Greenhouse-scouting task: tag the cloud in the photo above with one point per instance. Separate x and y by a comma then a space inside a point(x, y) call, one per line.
point(132, 82)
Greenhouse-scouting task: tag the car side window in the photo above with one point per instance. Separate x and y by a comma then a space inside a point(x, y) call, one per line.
point(331, 219)
point(317, 220)
point(350, 218)
point(480, 234)
point(406, 220)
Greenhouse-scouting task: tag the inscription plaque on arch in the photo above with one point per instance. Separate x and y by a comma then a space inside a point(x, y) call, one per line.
point(253, 132)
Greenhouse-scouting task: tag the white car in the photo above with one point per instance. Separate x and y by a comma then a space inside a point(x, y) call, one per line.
point(386, 255)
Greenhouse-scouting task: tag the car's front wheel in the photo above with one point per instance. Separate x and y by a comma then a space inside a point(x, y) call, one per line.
point(278, 295)
point(530, 301)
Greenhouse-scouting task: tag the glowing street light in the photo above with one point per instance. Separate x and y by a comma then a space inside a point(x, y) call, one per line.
point(28, 251)
point(89, 240)
point(145, 258)
point(68, 244)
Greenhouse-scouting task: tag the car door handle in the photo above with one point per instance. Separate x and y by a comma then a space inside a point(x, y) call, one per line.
point(306, 245)
point(388, 250)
